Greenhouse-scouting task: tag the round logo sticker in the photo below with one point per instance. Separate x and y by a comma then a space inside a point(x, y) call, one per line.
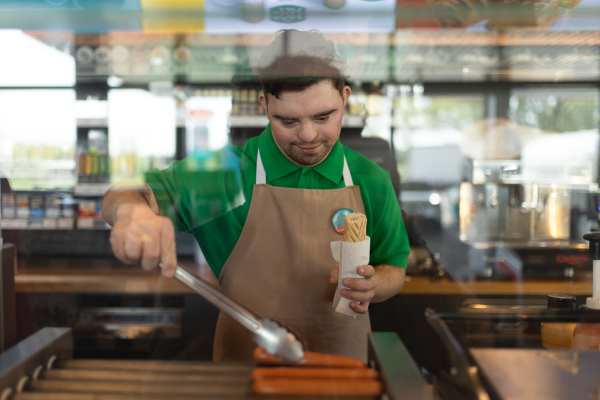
point(339, 219)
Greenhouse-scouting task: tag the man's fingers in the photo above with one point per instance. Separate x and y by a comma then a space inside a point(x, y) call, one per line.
point(360, 290)
point(360, 308)
point(132, 250)
point(362, 284)
point(118, 242)
point(150, 252)
point(359, 284)
point(141, 236)
point(366, 270)
point(117, 246)
point(333, 276)
point(361, 297)
point(168, 254)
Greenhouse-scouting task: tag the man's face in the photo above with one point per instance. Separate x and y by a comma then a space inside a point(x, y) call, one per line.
point(306, 124)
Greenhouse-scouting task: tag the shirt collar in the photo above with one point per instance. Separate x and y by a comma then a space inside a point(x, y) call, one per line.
point(277, 164)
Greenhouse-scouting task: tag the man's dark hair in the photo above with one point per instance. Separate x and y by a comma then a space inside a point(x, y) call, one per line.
point(296, 60)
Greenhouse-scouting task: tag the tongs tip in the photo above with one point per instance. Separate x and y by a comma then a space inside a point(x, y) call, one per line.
point(279, 341)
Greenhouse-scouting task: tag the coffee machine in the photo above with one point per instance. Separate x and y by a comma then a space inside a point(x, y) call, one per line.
point(526, 217)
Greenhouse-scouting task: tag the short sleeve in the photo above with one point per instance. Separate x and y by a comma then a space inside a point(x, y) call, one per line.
point(198, 188)
point(389, 241)
point(171, 195)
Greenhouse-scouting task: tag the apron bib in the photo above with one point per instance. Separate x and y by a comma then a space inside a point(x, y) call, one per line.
point(280, 269)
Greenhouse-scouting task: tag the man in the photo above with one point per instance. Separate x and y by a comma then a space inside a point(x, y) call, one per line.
point(272, 253)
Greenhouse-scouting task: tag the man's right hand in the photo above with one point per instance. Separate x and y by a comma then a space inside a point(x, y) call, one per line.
point(140, 235)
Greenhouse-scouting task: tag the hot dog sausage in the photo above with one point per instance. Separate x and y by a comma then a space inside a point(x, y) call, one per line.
point(314, 373)
point(311, 359)
point(317, 387)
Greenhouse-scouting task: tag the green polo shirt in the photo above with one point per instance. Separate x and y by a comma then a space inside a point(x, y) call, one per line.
point(209, 194)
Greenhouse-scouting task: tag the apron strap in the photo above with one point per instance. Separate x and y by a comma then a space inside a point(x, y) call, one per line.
point(346, 173)
point(261, 175)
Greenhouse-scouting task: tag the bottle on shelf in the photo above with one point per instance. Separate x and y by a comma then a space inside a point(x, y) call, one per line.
point(244, 102)
point(22, 205)
point(93, 164)
point(252, 102)
point(20, 152)
point(357, 102)
point(67, 206)
point(52, 205)
point(8, 205)
point(375, 99)
point(36, 205)
point(83, 165)
point(36, 211)
point(235, 102)
point(34, 152)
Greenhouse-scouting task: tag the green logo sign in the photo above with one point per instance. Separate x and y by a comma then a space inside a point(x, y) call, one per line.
point(287, 14)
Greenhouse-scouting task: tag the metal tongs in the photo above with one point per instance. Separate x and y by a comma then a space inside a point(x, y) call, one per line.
point(268, 334)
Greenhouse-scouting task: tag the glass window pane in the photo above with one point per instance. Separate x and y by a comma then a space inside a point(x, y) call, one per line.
point(497, 175)
point(558, 133)
point(141, 131)
point(556, 109)
point(429, 134)
point(27, 61)
point(37, 138)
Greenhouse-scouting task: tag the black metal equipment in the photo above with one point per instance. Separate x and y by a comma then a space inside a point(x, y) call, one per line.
point(500, 373)
point(42, 367)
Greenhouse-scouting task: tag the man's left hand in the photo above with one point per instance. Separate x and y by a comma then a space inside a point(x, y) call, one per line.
point(360, 290)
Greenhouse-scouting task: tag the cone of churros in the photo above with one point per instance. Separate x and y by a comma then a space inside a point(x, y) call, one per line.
point(355, 228)
point(351, 252)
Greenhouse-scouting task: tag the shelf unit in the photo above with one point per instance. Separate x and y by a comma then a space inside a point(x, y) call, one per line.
point(259, 121)
point(92, 122)
point(91, 189)
point(59, 171)
point(92, 223)
point(38, 223)
point(441, 60)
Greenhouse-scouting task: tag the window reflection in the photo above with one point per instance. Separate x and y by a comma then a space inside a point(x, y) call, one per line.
point(490, 135)
point(27, 61)
point(141, 131)
point(38, 152)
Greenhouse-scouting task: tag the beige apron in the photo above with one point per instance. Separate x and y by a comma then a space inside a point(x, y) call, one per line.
point(280, 269)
